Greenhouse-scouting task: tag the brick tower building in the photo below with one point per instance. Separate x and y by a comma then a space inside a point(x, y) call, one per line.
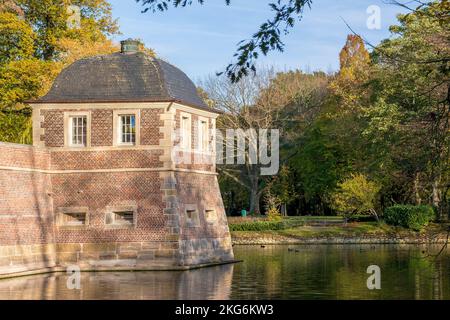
point(103, 187)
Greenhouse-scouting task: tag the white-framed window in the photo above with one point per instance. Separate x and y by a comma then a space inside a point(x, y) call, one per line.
point(185, 128)
point(78, 131)
point(77, 126)
point(126, 127)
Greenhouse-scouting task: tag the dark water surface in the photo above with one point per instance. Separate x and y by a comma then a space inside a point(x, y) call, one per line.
point(273, 272)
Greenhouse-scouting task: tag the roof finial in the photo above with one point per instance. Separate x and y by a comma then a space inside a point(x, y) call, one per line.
point(129, 46)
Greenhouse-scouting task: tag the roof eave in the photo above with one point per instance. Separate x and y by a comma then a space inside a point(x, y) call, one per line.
point(188, 104)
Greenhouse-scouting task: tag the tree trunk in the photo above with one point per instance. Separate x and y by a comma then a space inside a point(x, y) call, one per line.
point(374, 213)
point(254, 202)
point(436, 193)
point(283, 210)
point(418, 200)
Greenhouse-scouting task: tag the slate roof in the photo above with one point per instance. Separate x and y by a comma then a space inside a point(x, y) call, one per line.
point(119, 77)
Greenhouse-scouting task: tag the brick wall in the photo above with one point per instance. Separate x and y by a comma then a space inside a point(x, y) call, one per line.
point(111, 159)
point(102, 124)
point(150, 124)
point(101, 127)
point(36, 185)
point(26, 215)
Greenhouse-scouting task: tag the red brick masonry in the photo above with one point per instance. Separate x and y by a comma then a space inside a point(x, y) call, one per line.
point(37, 185)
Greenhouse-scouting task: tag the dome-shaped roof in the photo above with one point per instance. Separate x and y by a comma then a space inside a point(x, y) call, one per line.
point(123, 77)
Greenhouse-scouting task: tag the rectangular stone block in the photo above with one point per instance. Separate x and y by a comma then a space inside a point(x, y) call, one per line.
point(150, 245)
point(7, 251)
point(108, 256)
point(128, 255)
point(170, 245)
point(164, 254)
point(99, 247)
point(68, 247)
point(67, 256)
point(89, 256)
point(129, 247)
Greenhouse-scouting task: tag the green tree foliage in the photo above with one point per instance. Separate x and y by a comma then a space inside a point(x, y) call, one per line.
point(356, 195)
point(384, 114)
point(408, 216)
point(49, 19)
point(410, 111)
point(16, 38)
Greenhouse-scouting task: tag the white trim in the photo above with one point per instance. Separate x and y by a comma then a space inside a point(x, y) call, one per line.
point(193, 110)
point(107, 170)
point(68, 115)
point(108, 148)
point(117, 133)
point(109, 105)
point(124, 105)
point(202, 135)
point(186, 146)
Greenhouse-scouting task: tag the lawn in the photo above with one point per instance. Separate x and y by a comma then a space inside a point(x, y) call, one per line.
point(323, 227)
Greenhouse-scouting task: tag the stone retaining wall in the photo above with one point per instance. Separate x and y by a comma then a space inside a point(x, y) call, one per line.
point(258, 240)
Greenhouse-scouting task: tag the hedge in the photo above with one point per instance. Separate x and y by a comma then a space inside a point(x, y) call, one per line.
point(257, 226)
point(409, 216)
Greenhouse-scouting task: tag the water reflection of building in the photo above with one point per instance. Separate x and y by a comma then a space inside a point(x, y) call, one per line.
point(207, 283)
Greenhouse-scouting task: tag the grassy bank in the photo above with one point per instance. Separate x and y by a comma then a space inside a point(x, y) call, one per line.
point(253, 230)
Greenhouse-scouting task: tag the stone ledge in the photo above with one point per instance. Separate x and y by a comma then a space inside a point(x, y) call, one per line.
point(117, 268)
point(335, 240)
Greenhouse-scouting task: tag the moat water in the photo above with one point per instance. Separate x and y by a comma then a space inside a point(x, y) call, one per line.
point(273, 272)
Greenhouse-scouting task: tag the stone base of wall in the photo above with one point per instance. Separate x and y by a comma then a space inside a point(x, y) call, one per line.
point(144, 255)
point(25, 258)
point(198, 251)
point(33, 259)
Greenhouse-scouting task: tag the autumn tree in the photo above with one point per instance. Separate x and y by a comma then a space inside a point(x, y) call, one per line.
point(36, 42)
point(356, 195)
point(287, 101)
point(411, 108)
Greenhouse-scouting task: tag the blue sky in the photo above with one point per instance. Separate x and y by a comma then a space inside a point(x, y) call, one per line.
point(201, 40)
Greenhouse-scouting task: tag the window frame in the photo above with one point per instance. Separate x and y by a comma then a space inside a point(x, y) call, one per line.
point(185, 131)
point(65, 211)
point(203, 137)
point(111, 213)
point(117, 127)
point(192, 222)
point(68, 128)
point(208, 219)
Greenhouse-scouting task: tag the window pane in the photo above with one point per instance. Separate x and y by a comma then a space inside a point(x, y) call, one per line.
point(128, 128)
point(79, 131)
